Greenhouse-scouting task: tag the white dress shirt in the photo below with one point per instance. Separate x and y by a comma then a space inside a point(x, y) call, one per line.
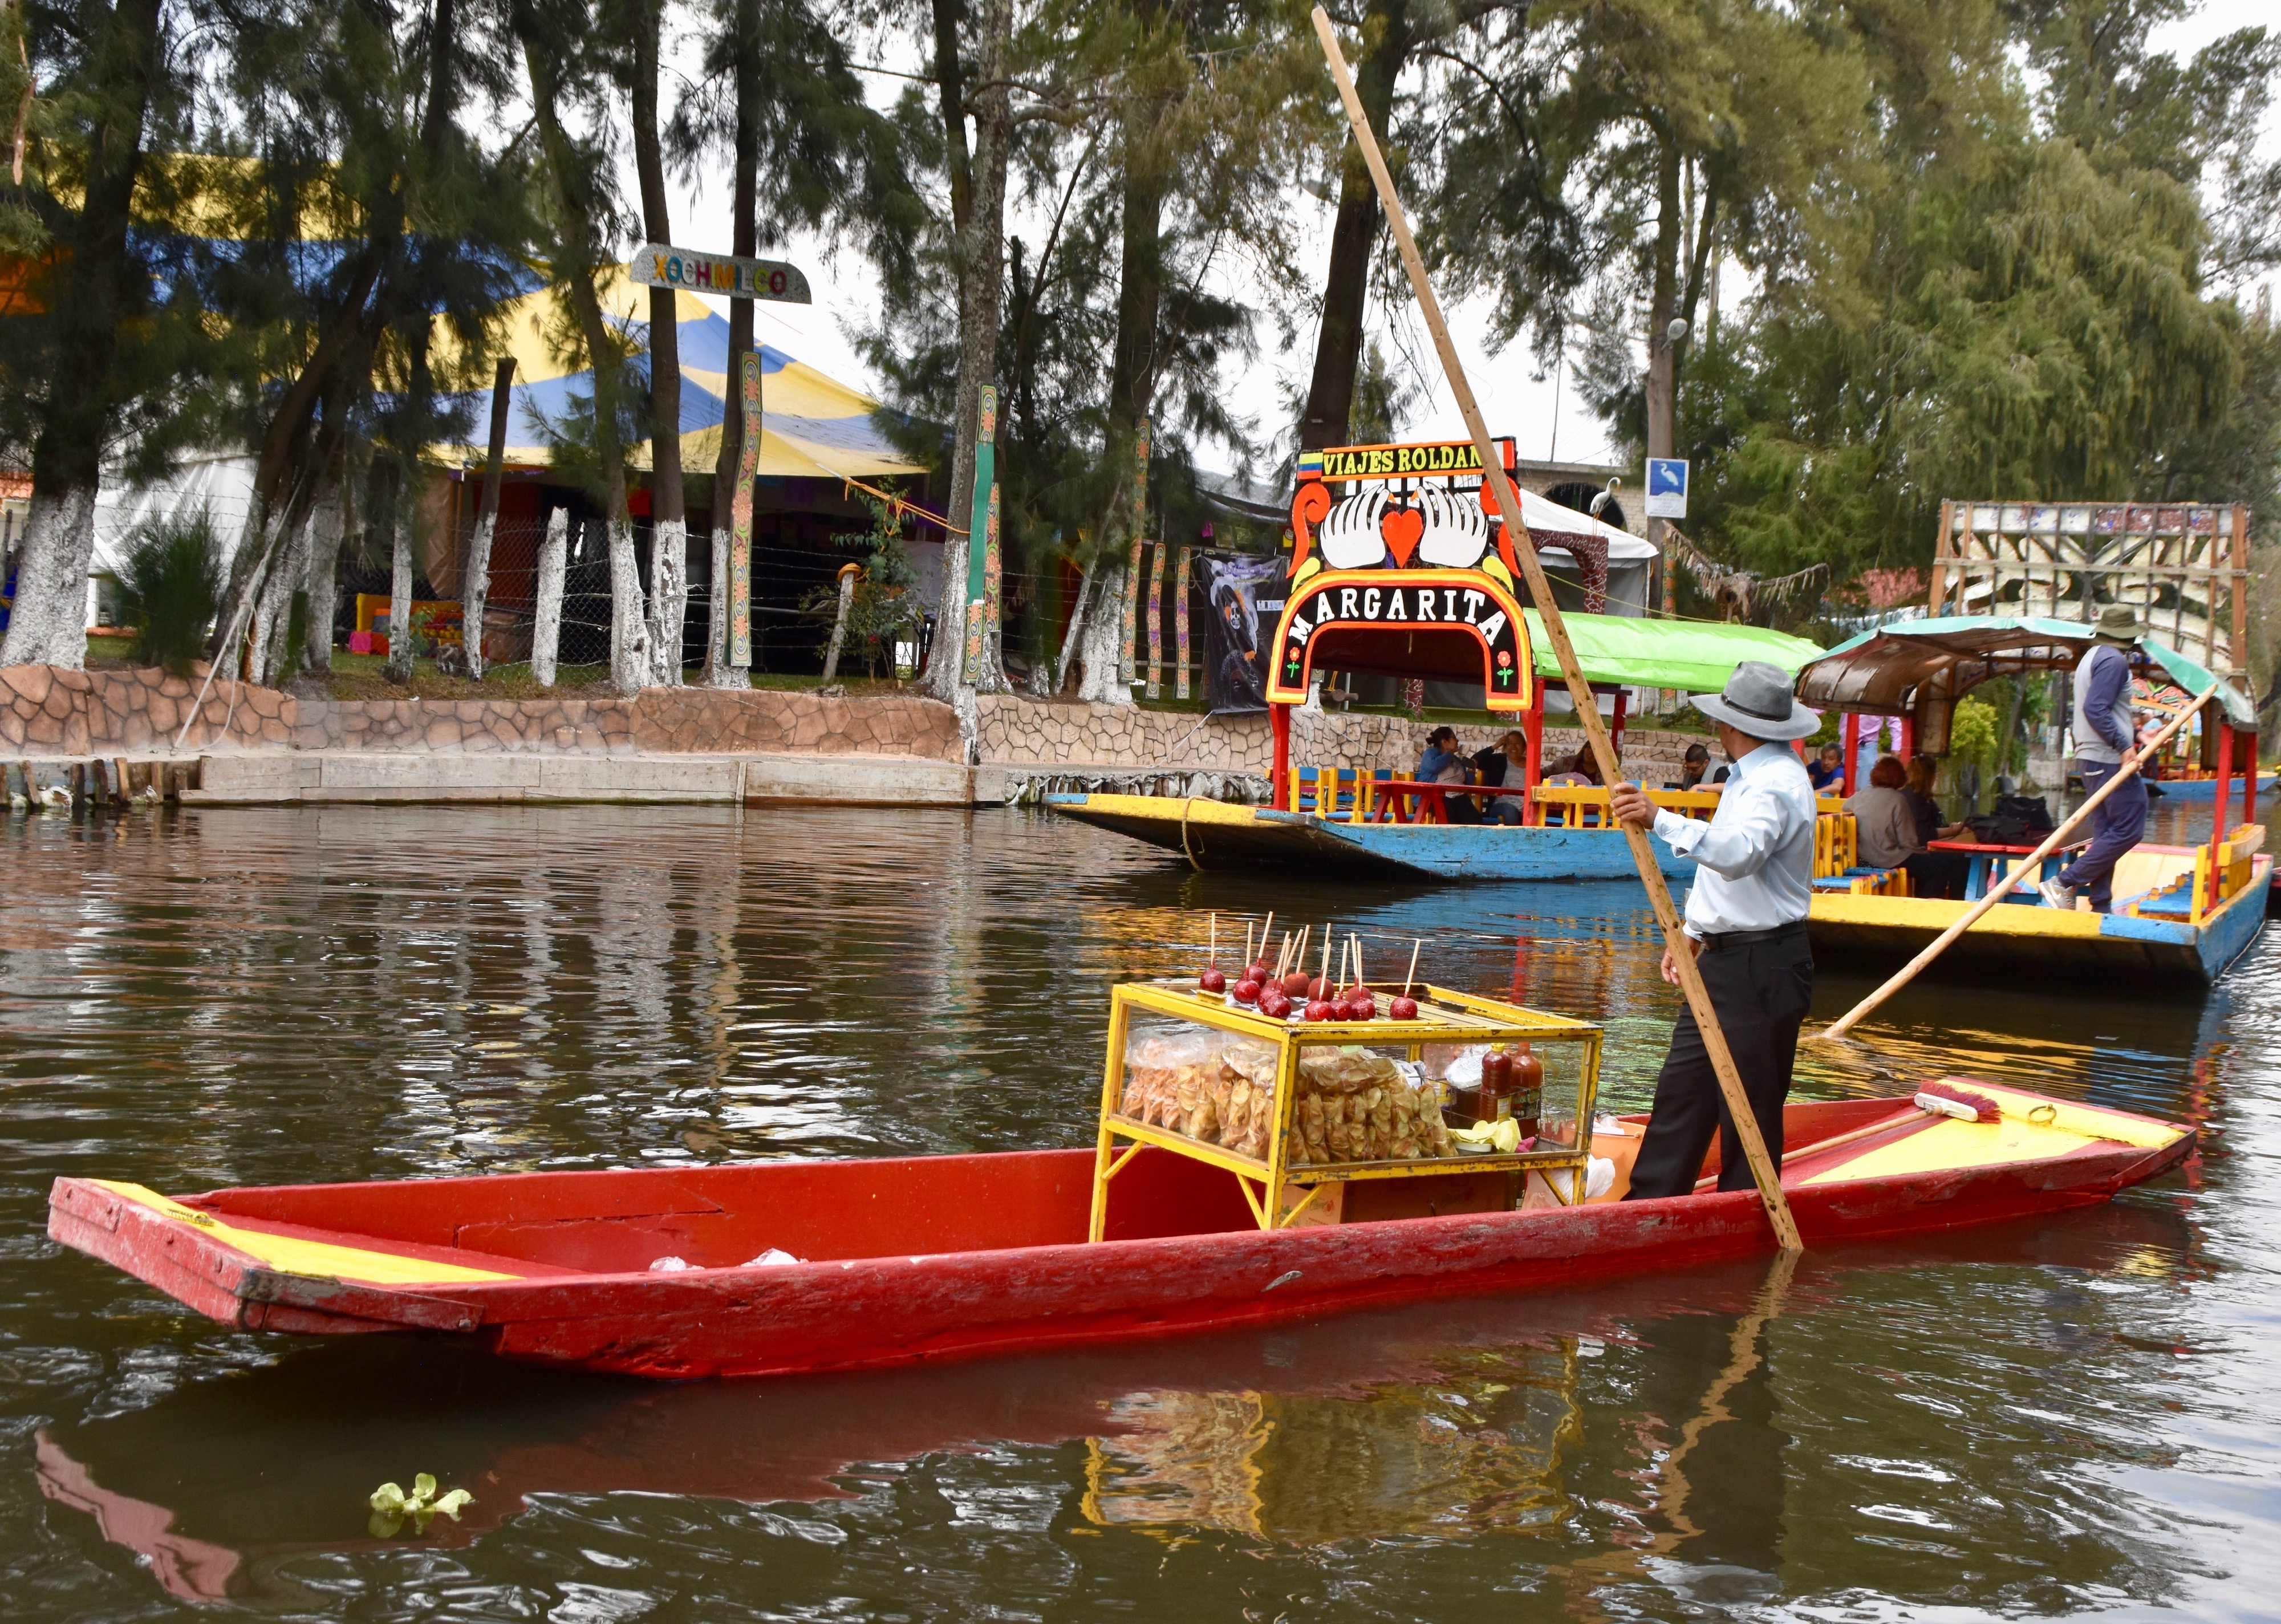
point(1756, 853)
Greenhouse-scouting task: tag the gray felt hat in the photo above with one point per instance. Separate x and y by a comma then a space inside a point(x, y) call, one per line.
point(1757, 701)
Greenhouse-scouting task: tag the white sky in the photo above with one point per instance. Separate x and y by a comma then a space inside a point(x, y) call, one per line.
point(1512, 399)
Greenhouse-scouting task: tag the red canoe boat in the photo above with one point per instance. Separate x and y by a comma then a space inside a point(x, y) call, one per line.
point(934, 1257)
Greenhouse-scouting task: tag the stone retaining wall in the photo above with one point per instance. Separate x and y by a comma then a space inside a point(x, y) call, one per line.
point(48, 711)
point(1014, 731)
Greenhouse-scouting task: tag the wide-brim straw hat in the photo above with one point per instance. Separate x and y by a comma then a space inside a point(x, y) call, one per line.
point(1757, 701)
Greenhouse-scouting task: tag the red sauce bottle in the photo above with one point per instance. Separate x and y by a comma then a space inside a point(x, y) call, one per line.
point(1527, 1089)
point(1496, 1085)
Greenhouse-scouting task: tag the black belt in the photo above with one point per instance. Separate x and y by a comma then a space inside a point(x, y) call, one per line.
point(1752, 938)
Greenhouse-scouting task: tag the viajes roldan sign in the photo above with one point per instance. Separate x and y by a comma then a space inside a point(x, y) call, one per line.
point(729, 275)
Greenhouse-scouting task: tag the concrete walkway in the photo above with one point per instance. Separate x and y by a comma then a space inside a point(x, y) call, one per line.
point(287, 777)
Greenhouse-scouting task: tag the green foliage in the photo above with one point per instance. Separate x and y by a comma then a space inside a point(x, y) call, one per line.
point(170, 585)
point(1973, 734)
point(2015, 301)
point(884, 608)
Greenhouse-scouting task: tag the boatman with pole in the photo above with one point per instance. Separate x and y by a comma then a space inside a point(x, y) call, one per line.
point(2105, 730)
point(1745, 922)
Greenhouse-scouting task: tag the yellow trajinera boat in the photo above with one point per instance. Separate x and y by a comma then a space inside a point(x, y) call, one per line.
point(2181, 913)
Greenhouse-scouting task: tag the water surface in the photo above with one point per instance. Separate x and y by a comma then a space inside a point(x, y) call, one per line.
point(2070, 1417)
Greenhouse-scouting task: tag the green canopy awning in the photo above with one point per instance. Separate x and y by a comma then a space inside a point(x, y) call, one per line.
point(1877, 673)
point(1699, 656)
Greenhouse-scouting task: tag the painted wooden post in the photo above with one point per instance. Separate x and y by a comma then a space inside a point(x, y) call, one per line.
point(978, 539)
point(1279, 781)
point(740, 534)
point(1126, 669)
point(1533, 730)
point(1180, 689)
point(1156, 624)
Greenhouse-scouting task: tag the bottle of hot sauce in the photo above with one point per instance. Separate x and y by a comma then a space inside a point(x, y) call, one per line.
point(1527, 1089)
point(1496, 1085)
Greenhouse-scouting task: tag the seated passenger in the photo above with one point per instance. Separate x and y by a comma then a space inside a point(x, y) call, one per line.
point(1439, 764)
point(1827, 769)
point(1572, 770)
point(1692, 767)
point(1933, 874)
point(1490, 761)
point(1512, 766)
point(1885, 824)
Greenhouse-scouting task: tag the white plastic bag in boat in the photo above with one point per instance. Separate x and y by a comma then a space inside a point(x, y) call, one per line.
point(670, 1265)
point(775, 1257)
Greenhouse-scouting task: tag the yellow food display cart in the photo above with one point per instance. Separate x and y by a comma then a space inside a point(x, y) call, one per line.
point(1341, 1121)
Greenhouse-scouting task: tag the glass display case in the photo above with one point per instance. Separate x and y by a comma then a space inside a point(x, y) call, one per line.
point(1494, 1100)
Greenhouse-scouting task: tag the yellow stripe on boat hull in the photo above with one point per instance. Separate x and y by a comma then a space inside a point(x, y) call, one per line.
point(321, 1259)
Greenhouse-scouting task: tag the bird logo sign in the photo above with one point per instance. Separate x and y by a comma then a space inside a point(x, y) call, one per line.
point(1667, 487)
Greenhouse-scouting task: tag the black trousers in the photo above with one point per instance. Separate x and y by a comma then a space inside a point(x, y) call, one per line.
point(1760, 992)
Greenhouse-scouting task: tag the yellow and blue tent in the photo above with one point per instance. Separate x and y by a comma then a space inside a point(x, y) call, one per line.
point(814, 426)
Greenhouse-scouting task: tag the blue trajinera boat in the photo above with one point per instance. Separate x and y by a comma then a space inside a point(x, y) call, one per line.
point(1410, 575)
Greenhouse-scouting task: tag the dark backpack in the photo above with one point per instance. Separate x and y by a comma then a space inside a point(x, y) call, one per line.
point(2018, 820)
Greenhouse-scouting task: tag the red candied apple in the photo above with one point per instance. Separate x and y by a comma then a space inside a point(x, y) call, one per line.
point(1320, 1009)
point(1272, 1003)
point(1361, 1007)
point(1320, 988)
point(1295, 985)
point(1213, 980)
point(1246, 991)
point(1257, 971)
point(1403, 1008)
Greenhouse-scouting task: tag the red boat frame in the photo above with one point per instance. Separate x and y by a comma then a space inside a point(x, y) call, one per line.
point(957, 1256)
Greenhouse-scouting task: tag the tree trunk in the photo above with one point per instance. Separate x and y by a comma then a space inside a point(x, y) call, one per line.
point(979, 209)
point(547, 614)
point(47, 624)
point(743, 238)
point(1074, 635)
point(399, 668)
point(1102, 645)
point(839, 624)
point(668, 544)
point(476, 583)
point(272, 620)
point(327, 522)
point(1387, 39)
point(1662, 303)
point(571, 172)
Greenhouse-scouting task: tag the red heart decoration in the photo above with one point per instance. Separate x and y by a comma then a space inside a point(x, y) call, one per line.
point(1402, 528)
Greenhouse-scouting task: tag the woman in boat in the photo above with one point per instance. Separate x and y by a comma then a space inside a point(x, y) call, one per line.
point(1439, 764)
point(1932, 874)
point(1511, 765)
point(1885, 824)
point(1746, 924)
point(1575, 769)
point(1490, 761)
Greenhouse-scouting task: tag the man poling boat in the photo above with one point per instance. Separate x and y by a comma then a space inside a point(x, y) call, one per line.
point(1745, 922)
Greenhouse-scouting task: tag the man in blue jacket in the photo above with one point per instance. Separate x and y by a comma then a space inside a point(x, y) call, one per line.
point(2105, 732)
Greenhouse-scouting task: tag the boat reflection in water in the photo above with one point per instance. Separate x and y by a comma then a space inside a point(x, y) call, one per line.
point(1652, 1401)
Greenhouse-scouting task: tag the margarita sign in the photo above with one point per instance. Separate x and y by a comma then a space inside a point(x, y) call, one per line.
point(729, 275)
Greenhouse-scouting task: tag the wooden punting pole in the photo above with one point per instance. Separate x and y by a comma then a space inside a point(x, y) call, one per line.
point(1556, 632)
